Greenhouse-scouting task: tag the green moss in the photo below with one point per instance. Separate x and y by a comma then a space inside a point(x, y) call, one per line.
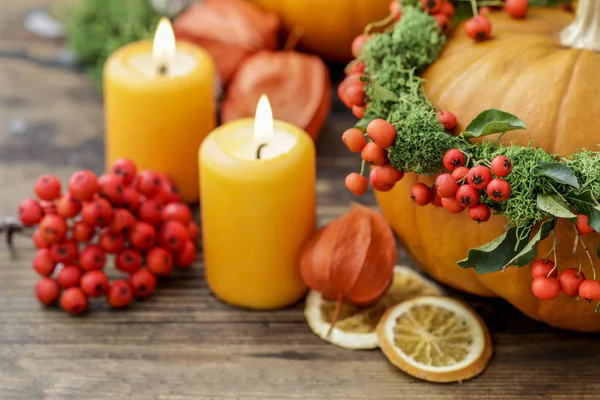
point(96, 28)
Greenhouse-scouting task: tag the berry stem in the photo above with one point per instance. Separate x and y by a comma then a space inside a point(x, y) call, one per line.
point(362, 167)
point(577, 238)
point(598, 307)
point(378, 24)
point(474, 7)
point(554, 245)
point(589, 257)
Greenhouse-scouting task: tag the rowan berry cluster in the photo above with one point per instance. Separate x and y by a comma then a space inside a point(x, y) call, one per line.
point(135, 218)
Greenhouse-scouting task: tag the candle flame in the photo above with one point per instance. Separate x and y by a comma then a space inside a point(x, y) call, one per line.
point(263, 122)
point(164, 41)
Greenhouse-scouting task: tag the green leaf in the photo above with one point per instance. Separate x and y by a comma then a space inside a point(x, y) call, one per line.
point(383, 94)
point(554, 205)
point(528, 252)
point(585, 203)
point(362, 124)
point(493, 121)
point(495, 255)
point(557, 171)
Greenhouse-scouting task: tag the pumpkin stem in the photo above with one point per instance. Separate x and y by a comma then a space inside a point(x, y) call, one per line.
point(584, 31)
point(336, 314)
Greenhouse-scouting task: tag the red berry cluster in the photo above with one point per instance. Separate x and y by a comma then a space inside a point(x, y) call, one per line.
point(466, 188)
point(383, 176)
point(136, 218)
point(479, 26)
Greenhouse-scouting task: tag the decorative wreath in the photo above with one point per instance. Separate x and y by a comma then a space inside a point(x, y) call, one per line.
point(399, 131)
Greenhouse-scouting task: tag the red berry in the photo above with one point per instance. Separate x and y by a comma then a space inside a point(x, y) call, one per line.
point(486, 10)
point(150, 211)
point(358, 43)
point(451, 205)
point(545, 288)
point(30, 212)
point(177, 212)
point(589, 290)
point(355, 95)
point(421, 194)
point(83, 232)
point(122, 219)
point(131, 198)
point(446, 185)
point(143, 283)
point(352, 80)
point(111, 187)
point(74, 301)
point(49, 207)
point(479, 213)
point(94, 283)
point(501, 166)
point(478, 27)
point(354, 139)
point(69, 276)
point(453, 159)
point(92, 258)
point(358, 111)
point(47, 291)
point(498, 189)
point(125, 168)
point(68, 206)
point(479, 177)
point(47, 187)
point(173, 235)
point(128, 261)
point(160, 262)
point(187, 256)
point(83, 185)
point(436, 200)
point(467, 195)
point(43, 262)
point(386, 174)
point(543, 267)
point(396, 9)
point(167, 194)
point(119, 294)
point(356, 183)
point(569, 280)
point(149, 183)
point(142, 236)
point(53, 228)
point(516, 8)
point(431, 6)
point(39, 241)
point(65, 251)
point(459, 173)
point(111, 242)
point(193, 231)
point(443, 22)
point(97, 213)
point(447, 8)
point(374, 154)
point(355, 67)
point(381, 132)
point(582, 225)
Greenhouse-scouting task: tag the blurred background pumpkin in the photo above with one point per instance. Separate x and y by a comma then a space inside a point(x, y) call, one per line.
point(553, 88)
point(329, 25)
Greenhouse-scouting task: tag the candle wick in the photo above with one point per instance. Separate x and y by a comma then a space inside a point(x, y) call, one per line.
point(163, 69)
point(260, 147)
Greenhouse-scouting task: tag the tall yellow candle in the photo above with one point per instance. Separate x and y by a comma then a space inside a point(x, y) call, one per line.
point(159, 106)
point(258, 207)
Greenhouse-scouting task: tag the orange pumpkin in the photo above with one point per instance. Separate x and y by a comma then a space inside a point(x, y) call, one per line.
point(329, 25)
point(529, 68)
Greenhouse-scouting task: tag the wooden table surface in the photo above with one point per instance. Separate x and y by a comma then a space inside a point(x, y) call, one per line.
point(183, 343)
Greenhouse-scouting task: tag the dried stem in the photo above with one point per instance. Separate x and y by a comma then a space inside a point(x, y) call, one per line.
point(294, 37)
point(378, 24)
point(336, 313)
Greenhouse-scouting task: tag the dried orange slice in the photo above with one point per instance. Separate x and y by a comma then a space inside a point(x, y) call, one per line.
point(437, 339)
point(355, 328)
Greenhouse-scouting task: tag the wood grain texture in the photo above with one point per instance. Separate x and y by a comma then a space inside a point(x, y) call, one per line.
point(182, 343)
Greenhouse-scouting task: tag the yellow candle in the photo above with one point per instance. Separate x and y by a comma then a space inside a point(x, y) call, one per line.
point(256, 212)
point(159, 106)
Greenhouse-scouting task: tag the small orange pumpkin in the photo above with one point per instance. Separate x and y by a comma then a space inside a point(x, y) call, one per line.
point(545, 74)
point(329, 26)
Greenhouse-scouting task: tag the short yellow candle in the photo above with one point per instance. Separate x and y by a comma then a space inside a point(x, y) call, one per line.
point(159, 106)
point(257, 212)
